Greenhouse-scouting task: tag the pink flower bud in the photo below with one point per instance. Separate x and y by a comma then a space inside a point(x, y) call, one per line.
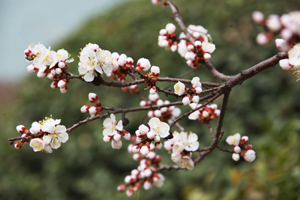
point(286, 34)
point(171, 28)
point(61, 65)
point(54, 84)
point(31, 68)
point(143, 103)
point(18, 144)
point(129, 192)
point(207, 56)
point(126, 136)
point(135, 149)
point(263, 38)
point(157, 113)
point(143, 64)
point(155, 70)
point(63, 89)
point(121, 188)
point(117, 137)
point(22, 129)
point(244, 139)
point(198, 44)
point(186, 100)
point(147, 185)
point(174, 47)
point(163, 32)
point(93, 97)
point(85, 109)
point(158, 145)
point(190, 47)
point(273, 23)
point(137, 156)
point(237, 149)
point(151, 135)
point(144, 150)
point(249, 146)
point(250, 156)
point(258, 17)
point(285, 64)
point(116, 144)
point(62, 83)
point(235, 157)
point(106, 138)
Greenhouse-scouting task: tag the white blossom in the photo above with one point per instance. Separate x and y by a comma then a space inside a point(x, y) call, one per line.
point(161, 128)
point(111, 127)
point(234, 139)
point(37, 144)
point(294, 56)
point(179, 88)
point(196, 82)
point(92, 59)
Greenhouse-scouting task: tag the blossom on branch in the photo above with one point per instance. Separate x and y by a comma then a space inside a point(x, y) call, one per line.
point(113, 132)
point(93, 59)
point(181, 146)
point(205, 114)
point(43, 135)
point(49, 64)
point(240, 147)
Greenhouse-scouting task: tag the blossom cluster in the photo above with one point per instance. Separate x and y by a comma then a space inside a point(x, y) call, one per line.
point(205, 114)
point(240, 147)
point(145, 136)
point(165, 113)
point(113, 131)
point(49, 63)
point(288, 26)
point(192, 94)
point(94, 59)
point(44, 135)
point(181, 146)
point(121, 63)
point(144, 175)
point(200, 50)
point(93, 110)
point(167, 37)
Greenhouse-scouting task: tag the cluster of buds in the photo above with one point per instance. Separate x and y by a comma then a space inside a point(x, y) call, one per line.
point(151, 78)
point(49, 63)
point(181, 146)
point(144, 176)
point(167, 37)
point(165, 114)
point(288, 26)
point(113, 131)
point(93, 110)
point(200, 50)
point(192, 96)
point(205, 114)
point(121, 65)
point(240, 147)
point(145, 136)
point(44, 135)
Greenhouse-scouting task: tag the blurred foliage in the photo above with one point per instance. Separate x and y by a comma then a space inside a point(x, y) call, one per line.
point(266, 108)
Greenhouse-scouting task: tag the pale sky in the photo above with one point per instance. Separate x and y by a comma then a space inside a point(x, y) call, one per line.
point(32, 21)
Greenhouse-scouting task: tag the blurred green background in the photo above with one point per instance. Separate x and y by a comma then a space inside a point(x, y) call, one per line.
point(266, 108)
